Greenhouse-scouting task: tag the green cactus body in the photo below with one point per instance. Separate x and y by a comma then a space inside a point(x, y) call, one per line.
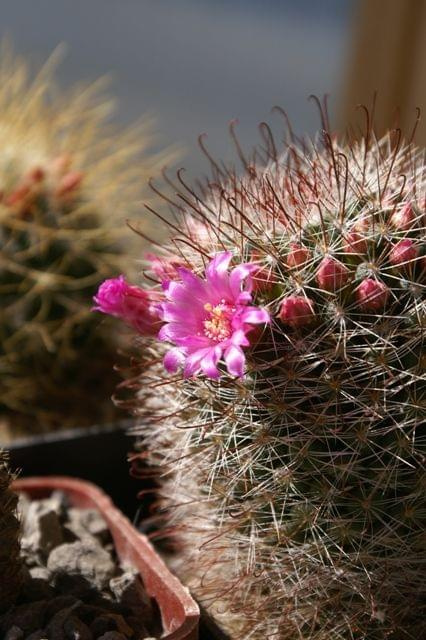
point(298, 492)
point(67, 181)
point(10, 564)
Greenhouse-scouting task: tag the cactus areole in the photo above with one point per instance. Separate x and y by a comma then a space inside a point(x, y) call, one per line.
point(288, 423)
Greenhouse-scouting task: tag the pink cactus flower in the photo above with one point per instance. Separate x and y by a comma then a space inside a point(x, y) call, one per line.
point(404, 218)
point(297, 255)
point(354, 242)
point(164, 268)
point(135, 306)
point(372, 294)
point(332, 274)
point(403, 252)
point(208, 319)
point(296, 311)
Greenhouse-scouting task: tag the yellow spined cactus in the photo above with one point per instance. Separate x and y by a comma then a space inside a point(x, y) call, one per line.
point(68, 180)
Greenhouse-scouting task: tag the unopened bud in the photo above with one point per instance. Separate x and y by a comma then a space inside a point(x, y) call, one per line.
point(69, 183)
point(19, 196)
point(372, 294)
point(296, 311)
point(403, 252)
point(135, 306)
point(354, 242)
point(36, 174)
point(164, 268)
point(404, 218)
point(297, 255)
point(332, 274)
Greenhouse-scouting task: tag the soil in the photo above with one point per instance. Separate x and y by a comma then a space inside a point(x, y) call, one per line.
point(75, 587)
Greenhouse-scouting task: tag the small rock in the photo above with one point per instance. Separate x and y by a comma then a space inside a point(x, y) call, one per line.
point(88, 612)
point(14, 633)
point(75, 629)
point(122, 584)
point(37, 589)
point(59, 603)
point(95, 524)
point(58, 500)
point(86, 559)
point(40, 573)
point(23, 505)
point(101, 624)
point(137, 625)
point(27, 617)
point(40, 634)
point(42, 528)
point(55, 629)
point(87, 523)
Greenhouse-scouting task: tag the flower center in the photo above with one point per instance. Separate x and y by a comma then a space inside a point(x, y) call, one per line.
point(217, 325)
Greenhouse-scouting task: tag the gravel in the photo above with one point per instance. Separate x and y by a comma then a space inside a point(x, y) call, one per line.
point(75, 588)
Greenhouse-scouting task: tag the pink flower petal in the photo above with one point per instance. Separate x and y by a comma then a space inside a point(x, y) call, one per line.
point(219, 265)
point(173, 360)
point(243, 298)
point(173, 331)
point(192, 362)
point(209, 362)
point(235, 361)
point(238, 275)
point(239, 339)
point(217, 275)
point(253, 315)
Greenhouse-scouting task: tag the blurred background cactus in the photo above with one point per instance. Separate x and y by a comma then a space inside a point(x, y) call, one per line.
point(297, 493)
point(68, 181)
point(10, 564)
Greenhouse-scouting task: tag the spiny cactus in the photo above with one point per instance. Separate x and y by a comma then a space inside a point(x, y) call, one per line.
point(10, 564)
point(296, 485)
point(67, 182)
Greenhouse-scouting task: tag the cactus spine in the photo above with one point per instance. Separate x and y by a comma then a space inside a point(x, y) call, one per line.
point(297, 493)
point(10, 565)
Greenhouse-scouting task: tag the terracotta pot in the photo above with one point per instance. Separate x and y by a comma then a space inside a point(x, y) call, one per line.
point(179, 612)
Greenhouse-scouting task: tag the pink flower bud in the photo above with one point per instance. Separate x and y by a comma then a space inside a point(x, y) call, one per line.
point(297, 255)
point(36, 174)
point(60, 165)
point(135, 306)
point(372, 294)
point(164, 268)
point(403, 252)
point(19, 197)
point(69, 183)
point(332, 274)
point(354, 242)
point(297, 311)
point(403, 218)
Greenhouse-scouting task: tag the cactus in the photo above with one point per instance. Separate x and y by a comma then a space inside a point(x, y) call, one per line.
point(67, 181)
point(10, 565)
point(296, 488)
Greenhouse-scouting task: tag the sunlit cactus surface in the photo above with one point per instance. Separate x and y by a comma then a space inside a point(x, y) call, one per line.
point(288, 420)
